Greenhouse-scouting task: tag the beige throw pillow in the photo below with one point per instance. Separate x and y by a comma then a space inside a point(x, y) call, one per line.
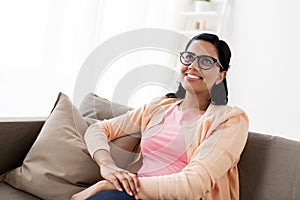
point(58, 164)
point(100, 108)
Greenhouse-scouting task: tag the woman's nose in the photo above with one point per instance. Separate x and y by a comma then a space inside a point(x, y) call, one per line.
point(194, 65)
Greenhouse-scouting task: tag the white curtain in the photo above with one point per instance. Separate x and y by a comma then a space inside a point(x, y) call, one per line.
point(43, 44)
point(120, 16)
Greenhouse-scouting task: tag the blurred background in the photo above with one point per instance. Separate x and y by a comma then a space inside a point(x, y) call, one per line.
point(44, 43)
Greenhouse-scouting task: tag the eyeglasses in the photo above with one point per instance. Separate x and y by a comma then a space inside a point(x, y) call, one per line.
point(204, 62)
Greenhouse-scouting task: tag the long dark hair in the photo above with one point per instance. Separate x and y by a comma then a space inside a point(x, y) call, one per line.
point(219, 92)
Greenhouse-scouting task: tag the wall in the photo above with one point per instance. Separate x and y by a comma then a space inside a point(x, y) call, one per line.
point(263, 36)
point(264, 79)
point(43, 45)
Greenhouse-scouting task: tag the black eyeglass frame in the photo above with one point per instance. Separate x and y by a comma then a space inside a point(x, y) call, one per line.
point(198, 57)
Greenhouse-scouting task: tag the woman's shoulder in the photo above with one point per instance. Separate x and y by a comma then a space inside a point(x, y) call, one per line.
point(228, 111)
point(225, 108)
point(235, 110)
point(232, 116)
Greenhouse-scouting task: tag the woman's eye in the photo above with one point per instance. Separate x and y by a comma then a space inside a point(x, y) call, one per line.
point(189, 57)
point(207, 62)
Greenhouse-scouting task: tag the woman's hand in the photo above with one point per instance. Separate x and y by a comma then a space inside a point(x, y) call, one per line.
point(120, 178)
point(94, 189)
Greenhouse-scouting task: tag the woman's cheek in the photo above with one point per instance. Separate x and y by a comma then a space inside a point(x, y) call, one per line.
point(183, 69)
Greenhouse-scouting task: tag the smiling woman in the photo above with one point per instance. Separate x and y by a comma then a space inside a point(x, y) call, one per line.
point(205, 62)
point(189, 147)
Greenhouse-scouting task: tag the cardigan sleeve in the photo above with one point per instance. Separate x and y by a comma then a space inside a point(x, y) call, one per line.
point(99, 134)
point(211, 160)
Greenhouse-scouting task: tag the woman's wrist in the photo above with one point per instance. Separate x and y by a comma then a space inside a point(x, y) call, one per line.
point(104, 159)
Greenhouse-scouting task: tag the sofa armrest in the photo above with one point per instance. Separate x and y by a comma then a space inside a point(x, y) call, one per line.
point(17, 136)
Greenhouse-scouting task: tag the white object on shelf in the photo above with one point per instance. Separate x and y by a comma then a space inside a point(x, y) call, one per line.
point(195, 32)
point(202, 6)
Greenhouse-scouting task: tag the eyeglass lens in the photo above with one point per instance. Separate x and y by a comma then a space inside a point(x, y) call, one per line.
point(204, 62)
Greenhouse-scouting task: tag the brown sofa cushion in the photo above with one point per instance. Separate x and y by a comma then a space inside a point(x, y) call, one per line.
point(58, 164)
point(269, 168)
point(95, 107)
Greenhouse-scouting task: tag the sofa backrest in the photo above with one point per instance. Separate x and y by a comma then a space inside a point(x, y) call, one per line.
point(269, 168)
point(17, 136)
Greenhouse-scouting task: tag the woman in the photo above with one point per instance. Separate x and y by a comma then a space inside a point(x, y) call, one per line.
point(190, 147)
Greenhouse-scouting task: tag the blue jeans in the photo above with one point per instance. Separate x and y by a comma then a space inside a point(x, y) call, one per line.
point(111, 195)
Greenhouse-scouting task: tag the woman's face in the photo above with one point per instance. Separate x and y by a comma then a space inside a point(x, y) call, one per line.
point(197, 80)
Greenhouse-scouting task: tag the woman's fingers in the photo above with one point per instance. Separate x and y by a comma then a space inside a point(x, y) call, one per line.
point(114, 180)
point(128, 180)
point(130, 187)
point(137, 185)
point(136, 181)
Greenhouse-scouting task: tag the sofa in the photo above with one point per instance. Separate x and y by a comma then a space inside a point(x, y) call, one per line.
point(269, 167)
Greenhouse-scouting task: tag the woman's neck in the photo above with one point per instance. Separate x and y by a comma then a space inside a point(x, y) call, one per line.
point(195, 103)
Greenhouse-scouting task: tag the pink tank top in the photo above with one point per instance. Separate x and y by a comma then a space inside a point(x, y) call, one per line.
point(163, 146)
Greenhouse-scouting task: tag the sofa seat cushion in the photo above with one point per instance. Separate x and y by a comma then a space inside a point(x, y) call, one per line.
point(8, 192)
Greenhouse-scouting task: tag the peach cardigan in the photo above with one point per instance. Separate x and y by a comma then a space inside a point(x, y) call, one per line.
point(214, 145)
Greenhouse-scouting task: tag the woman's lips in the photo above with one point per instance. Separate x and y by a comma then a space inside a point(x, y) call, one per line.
point(193, 77)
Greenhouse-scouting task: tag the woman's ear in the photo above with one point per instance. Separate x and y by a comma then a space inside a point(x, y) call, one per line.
point(221, 77)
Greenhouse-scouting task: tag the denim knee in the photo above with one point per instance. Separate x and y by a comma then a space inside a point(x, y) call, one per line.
point(111, 194)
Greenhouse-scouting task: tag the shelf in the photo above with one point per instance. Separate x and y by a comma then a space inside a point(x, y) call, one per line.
point(201, 14)
point(205, 21)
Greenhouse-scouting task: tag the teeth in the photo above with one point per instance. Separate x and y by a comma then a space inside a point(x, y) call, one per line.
point(192, 76)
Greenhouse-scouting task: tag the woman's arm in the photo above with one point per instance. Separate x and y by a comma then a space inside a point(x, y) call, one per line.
point(99, 134)
point(97, 137)
point(120, 178)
